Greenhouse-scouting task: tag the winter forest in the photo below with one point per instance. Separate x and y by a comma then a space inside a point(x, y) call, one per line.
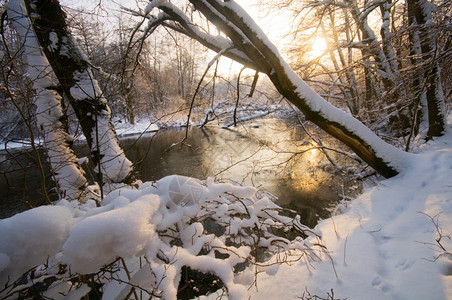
point(221, 149)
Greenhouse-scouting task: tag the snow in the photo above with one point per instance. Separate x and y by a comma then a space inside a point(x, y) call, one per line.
point(142, 126)
point(392, 242)
point(53, 37)
point(32, 236)
point(151, 5)
point(114, 164)
point(381, 245)
point(86, 87)
point(255, 116)
point(122, 231)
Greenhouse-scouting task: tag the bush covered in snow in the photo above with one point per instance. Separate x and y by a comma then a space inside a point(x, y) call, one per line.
point(153, 241)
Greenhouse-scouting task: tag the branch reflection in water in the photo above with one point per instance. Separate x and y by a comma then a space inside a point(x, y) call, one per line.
point(270, 154)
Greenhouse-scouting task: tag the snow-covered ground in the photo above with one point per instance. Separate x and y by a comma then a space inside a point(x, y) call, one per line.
point(388, 243)
point(392, 242)
point(142, 126)
point(122, 129)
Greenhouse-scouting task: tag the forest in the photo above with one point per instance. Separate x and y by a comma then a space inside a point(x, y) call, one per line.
point(221, 149)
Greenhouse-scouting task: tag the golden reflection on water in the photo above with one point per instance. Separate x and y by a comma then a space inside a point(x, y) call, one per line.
point(272, 156)
point(313, 155)
point(306, 184)
point(273, 153)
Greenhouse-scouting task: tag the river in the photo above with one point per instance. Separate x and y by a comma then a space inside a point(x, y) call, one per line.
point(259, 153)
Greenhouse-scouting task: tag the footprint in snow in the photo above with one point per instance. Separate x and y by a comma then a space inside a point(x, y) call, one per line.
point(404, 265)
point(378, 282)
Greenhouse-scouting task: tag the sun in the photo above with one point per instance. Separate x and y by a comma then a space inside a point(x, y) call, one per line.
point(319, 46)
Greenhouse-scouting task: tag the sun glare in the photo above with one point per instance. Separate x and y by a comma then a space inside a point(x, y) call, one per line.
point(318, 47)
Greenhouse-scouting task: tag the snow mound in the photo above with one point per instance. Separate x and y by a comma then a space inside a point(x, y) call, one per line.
point(393, 242)
point(153, 232)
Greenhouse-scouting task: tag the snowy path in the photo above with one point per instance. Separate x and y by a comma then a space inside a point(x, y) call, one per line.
point(383, 245)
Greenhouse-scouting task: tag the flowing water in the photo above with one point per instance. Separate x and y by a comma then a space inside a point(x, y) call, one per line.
point(262, 153)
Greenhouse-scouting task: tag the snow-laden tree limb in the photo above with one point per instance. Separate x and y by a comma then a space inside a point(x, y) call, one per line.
point(246, 36)
point(184, 25)
point(158, 229)
point(248, 118)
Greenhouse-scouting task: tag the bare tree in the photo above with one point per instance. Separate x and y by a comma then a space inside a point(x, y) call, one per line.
point(420, 18)
point(68, 175)
point(374, 34)
point(80, 87)
point(246, 43)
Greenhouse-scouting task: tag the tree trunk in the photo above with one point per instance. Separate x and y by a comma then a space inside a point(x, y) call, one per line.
point(419, 14)
point(418, 85)
point(373, 45)
point(82, 90)
point(252, 47)
point(349, 87)
point(68, 175)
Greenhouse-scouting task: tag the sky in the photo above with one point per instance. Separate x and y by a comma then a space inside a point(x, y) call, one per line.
point(274, 23)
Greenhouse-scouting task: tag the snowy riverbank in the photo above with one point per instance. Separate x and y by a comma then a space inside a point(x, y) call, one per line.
point(222, 116)
point(122, 129)
point(388, 243)
point(392, 242)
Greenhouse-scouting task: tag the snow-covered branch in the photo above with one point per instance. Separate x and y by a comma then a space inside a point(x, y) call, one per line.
point(248, 118)
point(216, 43)
point(158, 229)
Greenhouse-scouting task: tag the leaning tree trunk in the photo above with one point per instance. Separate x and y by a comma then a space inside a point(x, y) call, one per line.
point(68, 175)
point(419, 14)
point(76, 78)
point(247, 44)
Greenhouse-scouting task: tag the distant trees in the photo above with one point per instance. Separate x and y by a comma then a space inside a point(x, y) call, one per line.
point(384, 59)
point(143, 78)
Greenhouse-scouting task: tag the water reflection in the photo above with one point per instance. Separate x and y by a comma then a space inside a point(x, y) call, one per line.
point(21, 185)
point(260, 154)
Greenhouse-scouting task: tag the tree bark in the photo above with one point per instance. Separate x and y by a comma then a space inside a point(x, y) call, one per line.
point(82, 90)
point(419, 14)
point(68, 175)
